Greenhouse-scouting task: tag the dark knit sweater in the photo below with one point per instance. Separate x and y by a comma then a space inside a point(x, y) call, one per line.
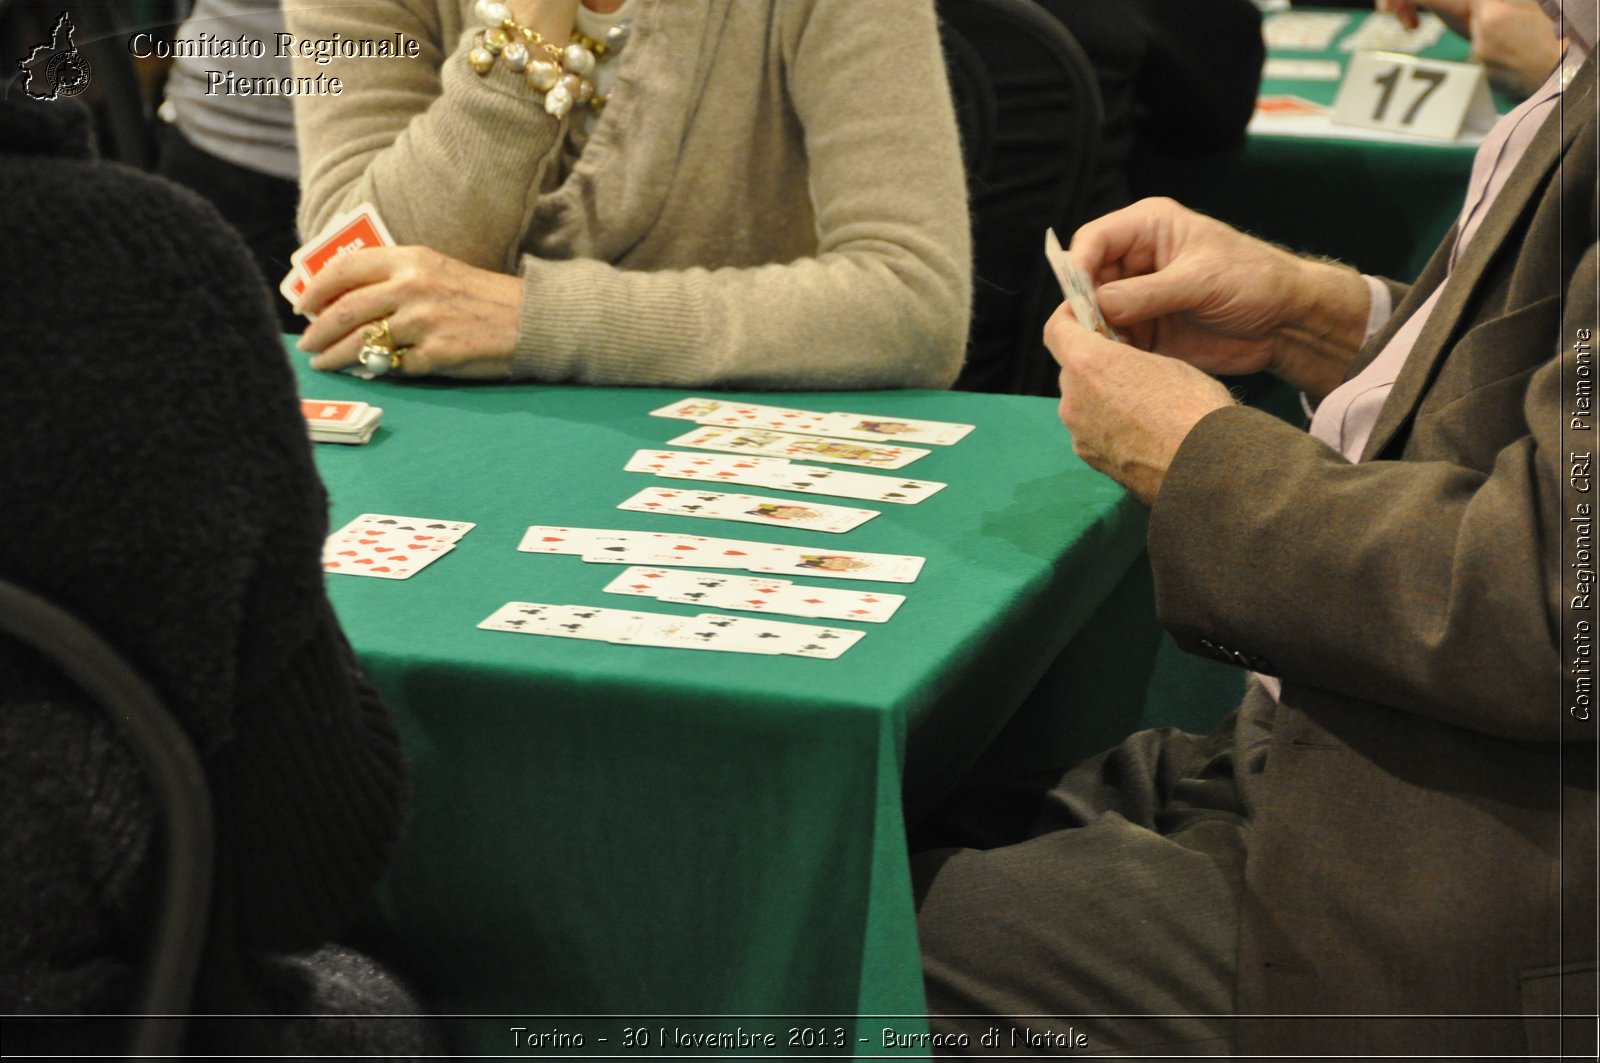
point(156, 480)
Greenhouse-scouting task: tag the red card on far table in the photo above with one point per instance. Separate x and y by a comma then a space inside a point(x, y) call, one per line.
point(1288, 105)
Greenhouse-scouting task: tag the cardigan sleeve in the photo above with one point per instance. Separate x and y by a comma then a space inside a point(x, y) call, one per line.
point(457, 163)
point(884, 301)
point(420, 139)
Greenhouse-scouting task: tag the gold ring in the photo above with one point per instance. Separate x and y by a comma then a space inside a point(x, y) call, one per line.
point(378, 354)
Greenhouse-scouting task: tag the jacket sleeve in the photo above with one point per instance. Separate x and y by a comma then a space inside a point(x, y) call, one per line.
point(1424, 585)
point(420, 139)
point(884, 302)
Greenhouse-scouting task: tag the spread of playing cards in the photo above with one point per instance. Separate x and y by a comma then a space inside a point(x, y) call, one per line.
point(758, 445)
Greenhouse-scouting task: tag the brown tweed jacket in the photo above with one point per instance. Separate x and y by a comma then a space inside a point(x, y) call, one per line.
point(1421, 875)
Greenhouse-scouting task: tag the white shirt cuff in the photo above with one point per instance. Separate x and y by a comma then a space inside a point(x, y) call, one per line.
point(1379, 305)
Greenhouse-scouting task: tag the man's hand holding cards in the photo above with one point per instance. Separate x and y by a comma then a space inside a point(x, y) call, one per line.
point(1077, 287)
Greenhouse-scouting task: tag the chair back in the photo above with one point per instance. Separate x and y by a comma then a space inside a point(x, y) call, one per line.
point(1030, 114)
point(183, 803)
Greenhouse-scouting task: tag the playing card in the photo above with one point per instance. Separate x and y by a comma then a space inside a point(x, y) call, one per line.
point(787, 445)
point(1281, 69)
point(530, 618)
point(799, 640)
point(756, 594)
point(628, 627)
point(353, 230)
point(838, 425)
point(422, 530)
point(598, 623)
point(292, 287)
point(797, 599)
point(880, 428)
point(816, 480)
point(698, 465)
point(1311, 31)
point(388, 547)
point(737, 592)
point(681, 502)
point(1077, 287)
point(650, 582)
point(841, 564)
point(739, 414)
point(1288, 106)
point(328, 413)
point(656, 549)
point(693, 632)
point(780, 473)
point(330, 421)
point(349, 231)
point(562, 621)
point(686, 550)
point(665, 548)
point(545, 539)
point(382, 562)
point(753, 509)
point(1385, 33)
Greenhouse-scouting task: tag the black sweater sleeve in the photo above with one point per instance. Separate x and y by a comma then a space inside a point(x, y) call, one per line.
point(310, 793)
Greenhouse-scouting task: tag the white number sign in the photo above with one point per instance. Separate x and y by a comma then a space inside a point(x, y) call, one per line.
point(1405, 94)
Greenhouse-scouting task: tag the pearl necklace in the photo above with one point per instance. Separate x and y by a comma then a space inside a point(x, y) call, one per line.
point(563, 78)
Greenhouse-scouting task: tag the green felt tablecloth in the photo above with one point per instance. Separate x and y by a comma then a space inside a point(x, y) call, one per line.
point(603, 830)
point(1380, 206)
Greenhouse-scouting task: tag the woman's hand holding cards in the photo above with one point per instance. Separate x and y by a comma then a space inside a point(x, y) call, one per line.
point(445, 318)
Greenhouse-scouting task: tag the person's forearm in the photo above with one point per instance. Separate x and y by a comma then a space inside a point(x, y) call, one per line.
point(1321, 338)
point(419, 139)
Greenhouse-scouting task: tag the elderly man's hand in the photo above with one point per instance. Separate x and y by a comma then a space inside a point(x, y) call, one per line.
point(1185, 285)
point(1127, 410)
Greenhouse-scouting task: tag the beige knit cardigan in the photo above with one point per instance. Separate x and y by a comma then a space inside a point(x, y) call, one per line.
point(774, 197)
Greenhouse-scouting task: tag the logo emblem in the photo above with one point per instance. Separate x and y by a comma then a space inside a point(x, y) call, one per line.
point(56, 69)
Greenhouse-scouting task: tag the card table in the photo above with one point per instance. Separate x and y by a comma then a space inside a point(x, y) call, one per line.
point(610, 831)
